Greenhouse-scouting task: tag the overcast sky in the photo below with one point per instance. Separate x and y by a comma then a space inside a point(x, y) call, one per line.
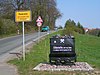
point(87, 12)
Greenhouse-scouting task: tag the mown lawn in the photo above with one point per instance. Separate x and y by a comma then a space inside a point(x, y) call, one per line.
point(87, 49)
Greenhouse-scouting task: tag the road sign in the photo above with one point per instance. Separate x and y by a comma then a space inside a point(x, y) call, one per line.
point(22, 16)
point(39, 24)
point(39, 19)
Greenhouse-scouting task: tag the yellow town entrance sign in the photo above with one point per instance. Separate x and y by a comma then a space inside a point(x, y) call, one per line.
point(23, 16)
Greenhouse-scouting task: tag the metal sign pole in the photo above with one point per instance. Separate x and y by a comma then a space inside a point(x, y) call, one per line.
point(23, 43)
point(38, 32)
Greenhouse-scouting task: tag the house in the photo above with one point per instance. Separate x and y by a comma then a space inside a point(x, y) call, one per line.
point(86, 30)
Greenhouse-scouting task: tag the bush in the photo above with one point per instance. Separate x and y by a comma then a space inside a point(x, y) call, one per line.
point(68, 31)
point(95, 32)
point(1, 25)
point(10, 26)
point(99, 33)
point(7, 26)
point(70, 27)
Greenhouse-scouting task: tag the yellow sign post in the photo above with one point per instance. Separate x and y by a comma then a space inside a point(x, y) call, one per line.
point(23, 16)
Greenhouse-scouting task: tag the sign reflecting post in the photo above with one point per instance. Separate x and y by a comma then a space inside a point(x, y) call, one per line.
point(23, 16)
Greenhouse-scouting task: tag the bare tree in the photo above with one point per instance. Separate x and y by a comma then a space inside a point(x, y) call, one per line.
point(45, 8)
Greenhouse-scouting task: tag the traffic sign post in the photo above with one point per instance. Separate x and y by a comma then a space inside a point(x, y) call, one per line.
point(38, 33)
point(39, 24)
point(23, 16)
point(23, 42)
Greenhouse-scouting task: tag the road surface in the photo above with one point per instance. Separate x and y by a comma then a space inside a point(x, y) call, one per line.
point(11, 43)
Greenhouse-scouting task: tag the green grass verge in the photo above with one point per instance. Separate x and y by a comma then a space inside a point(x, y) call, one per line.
point(6, 35)
point(87, 48)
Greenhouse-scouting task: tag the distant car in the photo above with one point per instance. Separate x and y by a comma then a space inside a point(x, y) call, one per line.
point(45, 28)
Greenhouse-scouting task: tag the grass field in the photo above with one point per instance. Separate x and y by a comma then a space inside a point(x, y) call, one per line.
point(87, 49)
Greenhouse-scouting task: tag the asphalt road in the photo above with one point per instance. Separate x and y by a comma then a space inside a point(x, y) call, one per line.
point(8, 44)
